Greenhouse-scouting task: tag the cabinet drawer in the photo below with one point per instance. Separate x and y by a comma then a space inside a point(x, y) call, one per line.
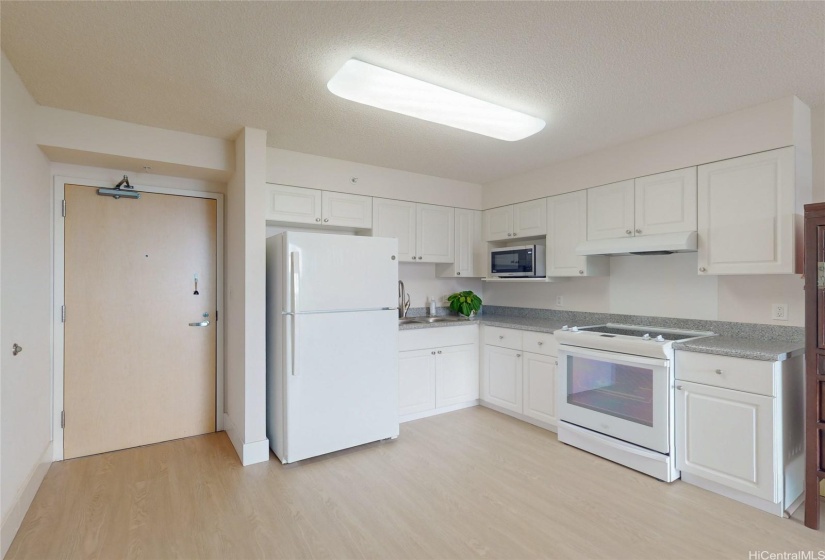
point(437, 337)
point(506, 338)
point(753, 376)
point(540, 343)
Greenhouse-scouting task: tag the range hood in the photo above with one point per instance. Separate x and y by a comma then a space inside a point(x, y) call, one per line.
point(662, 244)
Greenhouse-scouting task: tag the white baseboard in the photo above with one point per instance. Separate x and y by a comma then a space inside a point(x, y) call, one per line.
point(738, 495)
point(435, 411)
point(522, 417)
point(249, 453)
point(11, 524)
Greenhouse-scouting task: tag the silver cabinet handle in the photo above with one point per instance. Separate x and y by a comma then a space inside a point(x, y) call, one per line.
point(439, 351)
point(509, 235)
point(701, 269)
point(433, 352)
point(679, 387)
point(200, 324)
point(419, 258)
point(629, 232)
point(413, 257)
point(458, 274)
point(638, 231)
point(581, 272)
point(719, 371)
point(326, 219)
point(515, 234)
point(518, 355)
point(16, 349)
point(500, 337)
point(317, 219)
point(540, 343)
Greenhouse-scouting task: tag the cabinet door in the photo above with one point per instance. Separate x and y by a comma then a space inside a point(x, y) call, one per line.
point(746, 214)
point(293, 204)
point(610, 211)
point(395, 218)
point(456, 375)
point(727, 437)
point(540, 387)
point(498, 223)
point(346, 210)
point(502, 380)
point(567, 227)
point(416, 381)
point(666, 202)
point(530, 218)
point(435, 233)
point(465, 242)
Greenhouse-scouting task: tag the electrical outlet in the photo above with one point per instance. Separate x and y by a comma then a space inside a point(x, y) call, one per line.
point(779, 311)
point(559, 301)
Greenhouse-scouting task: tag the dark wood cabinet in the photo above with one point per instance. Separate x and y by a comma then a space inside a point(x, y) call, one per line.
point(814, 359)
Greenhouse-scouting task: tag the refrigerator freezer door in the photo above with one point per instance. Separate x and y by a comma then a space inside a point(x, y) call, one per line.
point(344, 391)
point(341, 272)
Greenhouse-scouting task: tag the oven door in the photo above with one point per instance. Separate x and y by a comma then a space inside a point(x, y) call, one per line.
point(622, 396)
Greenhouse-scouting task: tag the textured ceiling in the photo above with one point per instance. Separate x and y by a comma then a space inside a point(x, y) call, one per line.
point(599, 73)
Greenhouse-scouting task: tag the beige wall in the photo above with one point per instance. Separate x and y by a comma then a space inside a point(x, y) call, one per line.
point(305, 170)
point(25, 305)
point(668, 286)
point(246, 299)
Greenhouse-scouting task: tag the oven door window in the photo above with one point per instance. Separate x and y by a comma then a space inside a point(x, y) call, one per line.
point(512, 262)
point(619, 390)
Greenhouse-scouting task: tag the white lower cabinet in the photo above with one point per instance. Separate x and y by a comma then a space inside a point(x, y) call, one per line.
point(416, 381)
point(518, 382)
point(739, 428)
point(539, 387)
point(502, 378)
point(437, 370)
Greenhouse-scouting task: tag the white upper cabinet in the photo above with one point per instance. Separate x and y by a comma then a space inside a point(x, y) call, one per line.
point(530, 218)
point(425, 232)
point(610, 211)
point(498, 223)
point(526, 219)
point(293, 204)
point(297, 205)
point(566, 228)
point(395, 218)
point(666, 202)
point(435, 233)
point(469, 254)
point(747, 214)
point(652, 205)
point(346, 210)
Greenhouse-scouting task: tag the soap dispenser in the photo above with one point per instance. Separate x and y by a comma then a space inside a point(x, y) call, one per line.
point(432, 306)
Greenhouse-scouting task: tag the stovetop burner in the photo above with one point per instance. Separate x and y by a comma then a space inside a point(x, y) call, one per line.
point(635, 331)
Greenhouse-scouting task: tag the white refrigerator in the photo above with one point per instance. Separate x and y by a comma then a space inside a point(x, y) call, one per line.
point(332, 342)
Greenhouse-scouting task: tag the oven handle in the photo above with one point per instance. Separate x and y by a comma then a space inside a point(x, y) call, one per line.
point(615, 357)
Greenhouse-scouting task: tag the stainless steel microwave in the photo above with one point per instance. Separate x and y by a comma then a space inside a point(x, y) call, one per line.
point(526, 261)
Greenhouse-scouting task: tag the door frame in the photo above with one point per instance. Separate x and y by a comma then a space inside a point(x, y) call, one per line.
point(58, 296)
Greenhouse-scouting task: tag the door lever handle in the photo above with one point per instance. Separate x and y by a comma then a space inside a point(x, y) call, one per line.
point(200, 324)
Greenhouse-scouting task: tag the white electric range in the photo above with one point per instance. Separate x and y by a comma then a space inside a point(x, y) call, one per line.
point(615, 393)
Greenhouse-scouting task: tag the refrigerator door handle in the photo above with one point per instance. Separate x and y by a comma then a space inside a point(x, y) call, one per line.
point(295, 258)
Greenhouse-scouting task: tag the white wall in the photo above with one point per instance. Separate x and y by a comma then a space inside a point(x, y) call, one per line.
point(25, 301)
point(76, 138)
point(754, 129)
point(421, 282)
point(245, 419)
point(668, 286)
point(305, 170)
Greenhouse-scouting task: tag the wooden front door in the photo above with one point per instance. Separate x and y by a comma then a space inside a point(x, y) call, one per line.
point(135, 371)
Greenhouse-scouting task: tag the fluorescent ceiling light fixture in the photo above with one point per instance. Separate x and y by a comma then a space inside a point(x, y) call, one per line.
point(385, 89)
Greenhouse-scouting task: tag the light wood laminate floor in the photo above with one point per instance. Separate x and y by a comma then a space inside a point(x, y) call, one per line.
point(468, 484)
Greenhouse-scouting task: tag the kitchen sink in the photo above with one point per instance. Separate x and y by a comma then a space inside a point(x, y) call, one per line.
point(438, 319)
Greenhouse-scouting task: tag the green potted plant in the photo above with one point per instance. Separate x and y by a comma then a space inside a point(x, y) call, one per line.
point(465, 303)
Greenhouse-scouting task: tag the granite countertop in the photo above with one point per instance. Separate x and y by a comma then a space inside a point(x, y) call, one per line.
point(766, 349)
point(506, 321)
point(748, 348)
